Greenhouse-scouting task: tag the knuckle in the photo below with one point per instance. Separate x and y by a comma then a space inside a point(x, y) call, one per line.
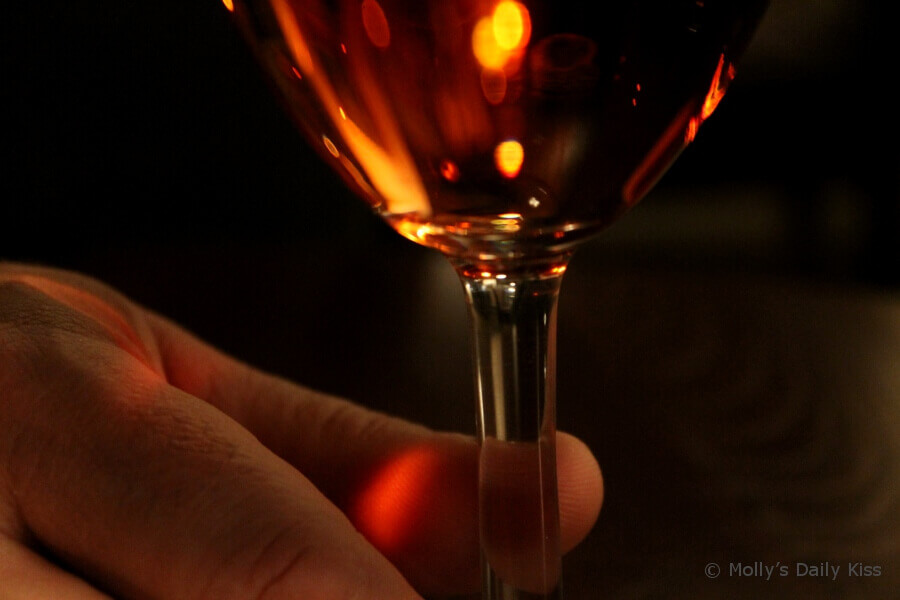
point(22, 323)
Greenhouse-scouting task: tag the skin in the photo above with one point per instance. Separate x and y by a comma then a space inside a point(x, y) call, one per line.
point(136, 461)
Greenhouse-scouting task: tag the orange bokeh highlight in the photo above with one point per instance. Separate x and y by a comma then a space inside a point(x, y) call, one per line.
point(511, 22)
point(500, 37)
point(558, 270)
point(376, 24)
point(508, 158)
point(449, 171)
point(484, 45)
point(229, 4)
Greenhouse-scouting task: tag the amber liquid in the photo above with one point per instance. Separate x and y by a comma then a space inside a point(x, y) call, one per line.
point(493, 129)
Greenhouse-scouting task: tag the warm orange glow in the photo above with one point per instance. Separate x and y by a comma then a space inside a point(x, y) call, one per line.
point(229, 4)
point(389, 509)
point(293, 36)
point(500, 37)
point(343, 114)
point(717, 90)
point(489, 54)
point(384, 157)
point(508, 157)
point(449, 170)
point(693, 127)
point(103, 314)
point(493, 85)
point(512, 25)
point(376, 24)
point(296, 73)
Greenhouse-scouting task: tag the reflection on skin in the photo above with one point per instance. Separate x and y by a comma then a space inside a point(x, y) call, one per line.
point(412, 500)
point(398, 508)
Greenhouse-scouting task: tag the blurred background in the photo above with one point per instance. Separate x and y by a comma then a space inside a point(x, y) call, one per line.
point(144, 147)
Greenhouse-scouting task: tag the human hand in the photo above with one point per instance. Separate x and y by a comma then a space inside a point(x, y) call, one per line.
point(139, 462)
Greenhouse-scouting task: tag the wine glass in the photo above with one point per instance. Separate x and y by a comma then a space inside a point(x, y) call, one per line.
point(503, 133)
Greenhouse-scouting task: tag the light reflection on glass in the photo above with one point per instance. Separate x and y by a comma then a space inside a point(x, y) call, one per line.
point(449, 170)
point(500, 37)
point(329, 145)
point(716, 92)
point(512, 25)
point(508, 157)
point(384, 158)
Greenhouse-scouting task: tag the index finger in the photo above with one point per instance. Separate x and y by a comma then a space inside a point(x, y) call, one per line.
point(411, 491)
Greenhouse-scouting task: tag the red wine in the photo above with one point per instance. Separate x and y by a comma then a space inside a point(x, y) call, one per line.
point(490, 128)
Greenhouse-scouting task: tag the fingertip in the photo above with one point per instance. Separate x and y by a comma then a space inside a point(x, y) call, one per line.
point(580, 489)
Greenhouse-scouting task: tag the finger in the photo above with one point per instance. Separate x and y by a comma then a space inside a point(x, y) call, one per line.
point(580, 490)
point(520, 532)
point(27, 576)
point(152, 493)
point(347, 451)
point(410, 490)
point(108, 313)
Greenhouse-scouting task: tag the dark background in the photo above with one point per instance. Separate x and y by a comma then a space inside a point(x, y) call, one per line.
point(129, 126)
point(143, 147)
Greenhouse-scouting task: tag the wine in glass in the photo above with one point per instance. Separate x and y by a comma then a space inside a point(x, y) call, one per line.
point(503, 133)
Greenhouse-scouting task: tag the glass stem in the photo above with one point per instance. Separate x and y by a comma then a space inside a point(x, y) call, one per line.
point(513, 319)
